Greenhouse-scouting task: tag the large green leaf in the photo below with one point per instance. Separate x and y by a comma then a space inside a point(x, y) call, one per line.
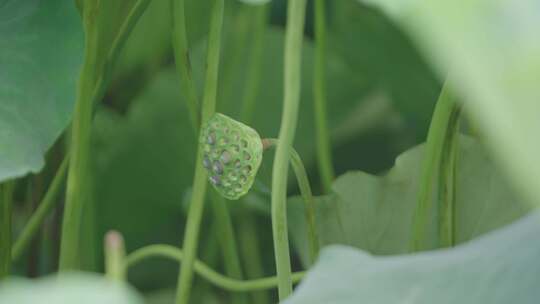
point(375, 213)
point(40, 55)
point(67, 289)
point(491, 49)
point(499, 268)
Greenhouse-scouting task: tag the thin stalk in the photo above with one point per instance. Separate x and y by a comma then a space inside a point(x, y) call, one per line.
point(45, 206)
point(91, 88)
point(251, 252)
point(6, 206)
point(118, 44)
point(221, 212)
point(447, 181)
point(210, 254)
point(227, 240)
point(34, 188)
point(183, 62)
point(77, 193)
point(309, 202)
point(293, 55)
point(324, 151)
point(115, 254)
point(183, 66)
point(204, 270)
point(191, 233)
point(249, 243)
point(254, 73)
point(307, 197)
point(196, 208)
point(432, 157)
point(235, 50)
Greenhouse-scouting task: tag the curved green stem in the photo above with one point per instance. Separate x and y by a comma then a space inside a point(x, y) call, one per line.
point(324, 152)
point(182, 60)
point(45, 206)
point(191, 234)
point(307, 196)
point(430, 166)
point(205, 271)
point(294, 37)
point(6, 205)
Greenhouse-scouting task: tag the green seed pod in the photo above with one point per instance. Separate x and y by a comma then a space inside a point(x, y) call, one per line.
point(232, 154)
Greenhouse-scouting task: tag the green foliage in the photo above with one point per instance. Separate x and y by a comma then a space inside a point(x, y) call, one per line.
point(378, 53)
point(134, 171)
point(142, 169)
point(107, 22)
point(498, 268)
point(167, 296)
point(71, 288)
point(148, 46)
point(343, 93)
point(376, 213)
point(149, 42)
point(41, 45)
point(145, 158)
point(491, 51)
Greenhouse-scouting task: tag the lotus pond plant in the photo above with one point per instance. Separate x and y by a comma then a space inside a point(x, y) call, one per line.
point(171, 130)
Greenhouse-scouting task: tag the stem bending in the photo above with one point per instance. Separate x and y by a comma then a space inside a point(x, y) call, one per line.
point(293, 54)
point(204, 270)
point(437, 136)
point(45, 206)
point(307, 196)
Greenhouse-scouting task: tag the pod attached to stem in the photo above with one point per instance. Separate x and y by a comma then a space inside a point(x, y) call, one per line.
point(232, 154)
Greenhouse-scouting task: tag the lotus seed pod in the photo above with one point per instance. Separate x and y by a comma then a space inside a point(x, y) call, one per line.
point(232, 155)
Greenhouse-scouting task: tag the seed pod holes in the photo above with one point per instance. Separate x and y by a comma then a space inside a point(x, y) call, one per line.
point(232, 155)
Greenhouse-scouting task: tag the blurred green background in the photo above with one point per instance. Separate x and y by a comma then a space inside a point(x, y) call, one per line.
point(381, 95)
